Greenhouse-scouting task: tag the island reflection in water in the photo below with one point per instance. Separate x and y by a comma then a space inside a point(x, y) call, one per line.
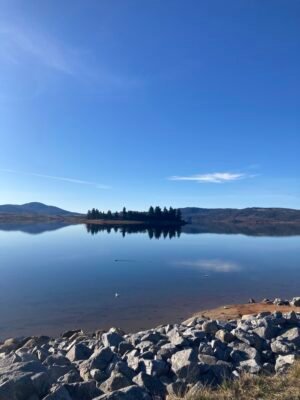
point(153, 232)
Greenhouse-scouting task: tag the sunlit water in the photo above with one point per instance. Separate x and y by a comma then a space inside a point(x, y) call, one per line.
point(68, 278)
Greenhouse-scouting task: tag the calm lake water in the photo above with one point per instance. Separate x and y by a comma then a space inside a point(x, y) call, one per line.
point(67, 278)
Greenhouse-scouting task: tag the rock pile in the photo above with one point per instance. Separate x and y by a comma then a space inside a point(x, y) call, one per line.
point(295, 302)
point(169, 360)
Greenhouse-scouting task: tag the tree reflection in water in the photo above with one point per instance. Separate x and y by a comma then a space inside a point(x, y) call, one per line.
point(154, 232)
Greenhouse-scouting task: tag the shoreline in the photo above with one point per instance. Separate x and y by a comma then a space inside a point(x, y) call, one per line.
point(165, 362)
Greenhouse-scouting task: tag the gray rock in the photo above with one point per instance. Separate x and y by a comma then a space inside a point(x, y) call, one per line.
point(129, 393)
point(166, 351)
point(176, 338)
point(153, 337)
point(177, 389)
point(71, 377)
point(12, 344)
point(250, 366)
point(58, 393)
point(281, 302)
point(280, 346)
point(56, 359)
point(112, 339)
point(101, 358)
point(206, 359)
point(284, 362)
point(71, 333)
point(295, 302)
point(154, 367)
point(115, 382)
point(57, 371)
point(41, 382)
point(79, 352)
point(124, 347)
point(121, 367)
point(185, 365)
point(210, 327)
point(97, 375)
point(19, 387)
point(292, 335)
point(152, 384)
point(251, 339)
point(83, 390)
point(224, 336)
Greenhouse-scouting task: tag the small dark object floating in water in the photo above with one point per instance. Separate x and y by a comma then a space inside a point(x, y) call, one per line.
point(116, 260)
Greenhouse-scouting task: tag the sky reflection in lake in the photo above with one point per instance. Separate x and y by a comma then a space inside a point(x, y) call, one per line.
point(67, 278)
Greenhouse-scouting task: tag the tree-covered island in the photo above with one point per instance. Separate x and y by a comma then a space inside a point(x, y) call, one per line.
point(154, 216)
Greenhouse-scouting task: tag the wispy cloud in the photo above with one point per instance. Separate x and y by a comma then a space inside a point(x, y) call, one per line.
point(216, 177)
point(58, 178)
point(21, 45)
point(214, 265)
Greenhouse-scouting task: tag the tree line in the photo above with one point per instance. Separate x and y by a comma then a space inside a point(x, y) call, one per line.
point(152, 215)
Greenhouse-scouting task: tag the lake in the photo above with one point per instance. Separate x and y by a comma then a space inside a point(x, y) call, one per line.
point(67, 278)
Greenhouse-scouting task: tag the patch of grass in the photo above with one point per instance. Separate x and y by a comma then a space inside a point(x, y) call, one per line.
point(276, 387)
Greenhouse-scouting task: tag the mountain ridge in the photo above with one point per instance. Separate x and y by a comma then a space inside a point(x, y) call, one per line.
point(34, 208)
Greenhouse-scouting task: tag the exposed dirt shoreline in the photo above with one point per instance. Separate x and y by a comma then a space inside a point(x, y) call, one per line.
point(234, 311)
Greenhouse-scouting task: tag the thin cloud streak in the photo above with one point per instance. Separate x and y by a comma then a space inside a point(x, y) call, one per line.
point(58, 178)
point(216, 177)
point(21, 45)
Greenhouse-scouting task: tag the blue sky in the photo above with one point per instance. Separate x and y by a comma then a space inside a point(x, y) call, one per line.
point(128, 102)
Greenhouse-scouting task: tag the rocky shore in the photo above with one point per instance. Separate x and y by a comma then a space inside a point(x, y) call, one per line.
point(168, 361)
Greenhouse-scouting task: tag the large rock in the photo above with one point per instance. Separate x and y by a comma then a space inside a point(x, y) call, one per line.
point(185, 365)
point(112, 339)
point(129, 393)
point(19, 387)
point(115, 382)
point(152, 384)
point(284, 362)
point(292, 336)
point(280, 346)
point(295, 302)
point(58, 393)
point(250, 366)
point(224, 336)
point(79, 352)
point(210, 327)
point(83, 390)
point(101, 358)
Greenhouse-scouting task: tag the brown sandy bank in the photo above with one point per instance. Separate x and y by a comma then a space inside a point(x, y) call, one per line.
point(235, 311)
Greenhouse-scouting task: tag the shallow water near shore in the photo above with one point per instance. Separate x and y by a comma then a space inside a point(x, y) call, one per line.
point(67, 278)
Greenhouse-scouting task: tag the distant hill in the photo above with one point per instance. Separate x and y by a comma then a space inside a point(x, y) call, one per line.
point(249, 216)
point(35, 208)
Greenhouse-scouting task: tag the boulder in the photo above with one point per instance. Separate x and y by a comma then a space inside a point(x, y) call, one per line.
point(79, 352)
point(295, 302)
point(115, 382)
point(284, 362)
point(83, 390)
point(224, 336)
point(112, 339)
point(152, 384)
point(250, 366)
point(154, 367)
point(177, 389)
point(185, 365)
point(210, 327)
point(292, 336)
point(101, 358)
point(58, 393)
point(18, 387)
point(129, 393)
